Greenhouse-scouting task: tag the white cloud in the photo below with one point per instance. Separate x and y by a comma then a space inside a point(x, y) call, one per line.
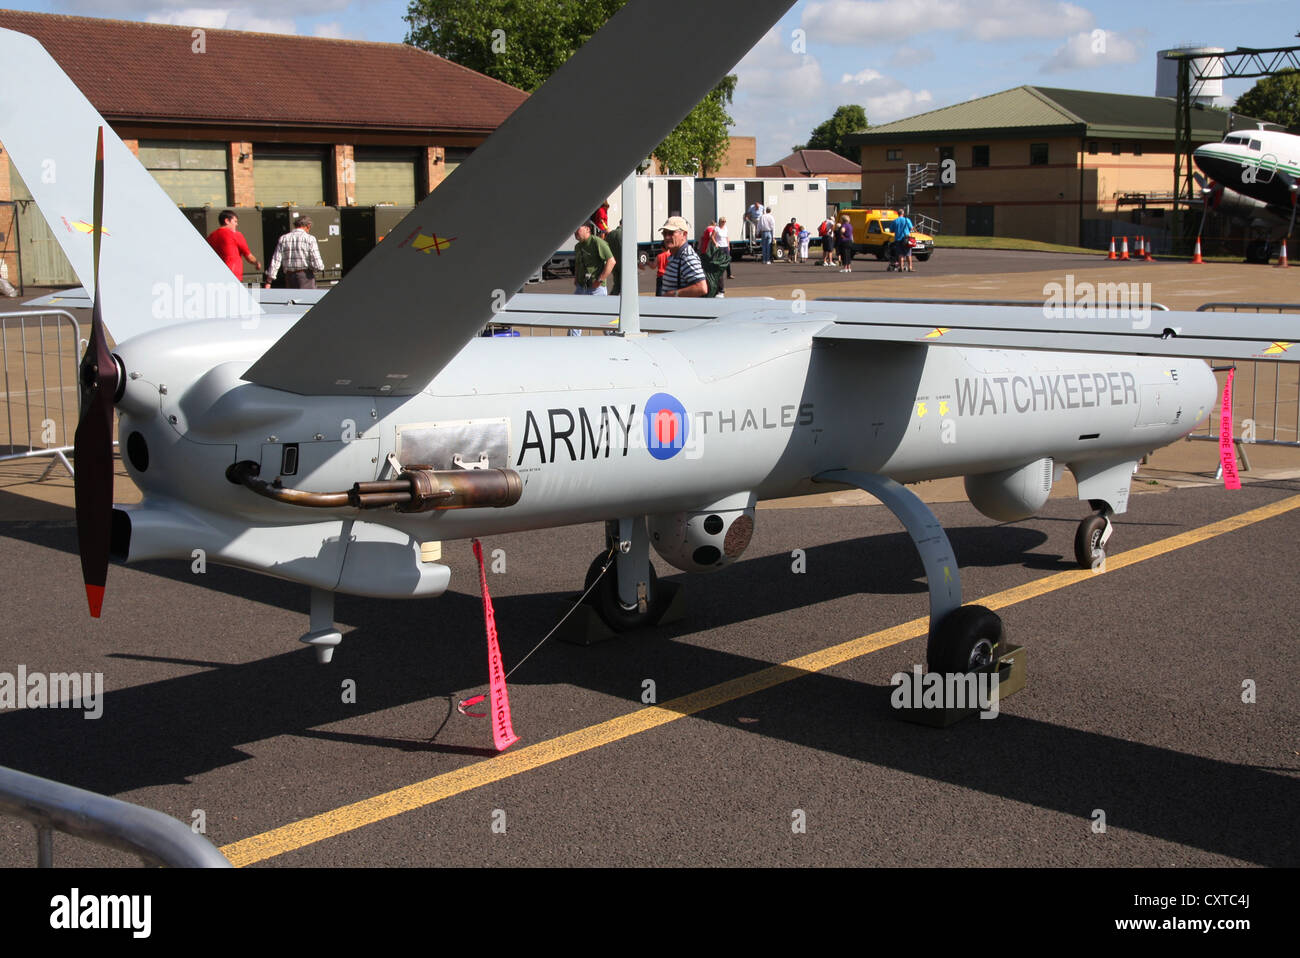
point(876, 22)
point(217, 18)
point(897, 104)
point(1091, 49)
point(862, 77)
point(334, 31)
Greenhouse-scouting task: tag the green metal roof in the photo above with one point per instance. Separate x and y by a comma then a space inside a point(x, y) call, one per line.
point(1049, 110)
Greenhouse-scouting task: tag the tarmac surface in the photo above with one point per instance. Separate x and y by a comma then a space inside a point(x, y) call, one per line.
point(1160, 702)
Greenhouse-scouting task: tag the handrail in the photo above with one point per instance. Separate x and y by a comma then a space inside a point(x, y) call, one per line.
point(157, 838)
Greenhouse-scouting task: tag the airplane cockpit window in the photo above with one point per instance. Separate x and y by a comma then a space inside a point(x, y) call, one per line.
point(1254, 145)
point(1240, 140)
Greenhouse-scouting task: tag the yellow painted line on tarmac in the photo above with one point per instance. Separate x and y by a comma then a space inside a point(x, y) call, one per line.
point(317, 828)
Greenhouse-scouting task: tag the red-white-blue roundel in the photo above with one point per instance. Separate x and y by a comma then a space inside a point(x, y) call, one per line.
point(666, 426)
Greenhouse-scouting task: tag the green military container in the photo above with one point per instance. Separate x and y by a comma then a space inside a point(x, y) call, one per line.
point(325, 226)
point(366, 226)
point(208, 218)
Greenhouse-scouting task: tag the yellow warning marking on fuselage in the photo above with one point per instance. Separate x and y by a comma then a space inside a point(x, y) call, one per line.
point(1276, 348)
point(348, 818)
point(937, 332)
point(921, 410)
point(943, 409)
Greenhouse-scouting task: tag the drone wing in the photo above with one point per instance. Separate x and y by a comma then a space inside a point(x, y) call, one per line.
point(414, 301)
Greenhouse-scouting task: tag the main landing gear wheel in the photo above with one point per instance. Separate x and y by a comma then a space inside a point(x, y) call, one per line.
point(1090, 541)
point(604, 598)
point(967, 640)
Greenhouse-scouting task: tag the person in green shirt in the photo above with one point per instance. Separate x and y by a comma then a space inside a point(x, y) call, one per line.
point(592, 262)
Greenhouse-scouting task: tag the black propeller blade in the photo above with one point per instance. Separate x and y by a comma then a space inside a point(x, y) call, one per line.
point(93, 445)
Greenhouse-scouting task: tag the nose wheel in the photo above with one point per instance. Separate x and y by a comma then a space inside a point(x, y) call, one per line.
point(1090, 539)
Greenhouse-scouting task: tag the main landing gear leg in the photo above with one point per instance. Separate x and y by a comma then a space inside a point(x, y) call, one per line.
point(626, 597)
point(962, 638)
point(1090, 539)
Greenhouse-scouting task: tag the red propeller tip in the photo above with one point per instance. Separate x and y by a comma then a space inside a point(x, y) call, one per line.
point(95, 596)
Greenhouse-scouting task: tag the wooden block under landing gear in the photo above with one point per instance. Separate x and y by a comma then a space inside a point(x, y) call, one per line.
point(1011, 672)
point(586, 627)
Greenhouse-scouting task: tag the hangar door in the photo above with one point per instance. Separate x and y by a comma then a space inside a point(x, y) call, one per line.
point(283, 177)
point(192, 174)
point(385, 177)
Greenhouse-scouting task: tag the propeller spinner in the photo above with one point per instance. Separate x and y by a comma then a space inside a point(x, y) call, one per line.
point(93, 445)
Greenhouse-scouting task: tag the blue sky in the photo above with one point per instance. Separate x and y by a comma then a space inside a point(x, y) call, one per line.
point(895, 57)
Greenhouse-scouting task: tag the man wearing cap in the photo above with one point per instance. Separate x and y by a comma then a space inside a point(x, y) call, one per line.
point(685, 273)
point(592, 262)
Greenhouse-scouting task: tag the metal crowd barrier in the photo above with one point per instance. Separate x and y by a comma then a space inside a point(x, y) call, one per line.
point(40, 350)
point(157, 838)
point(1274, 405)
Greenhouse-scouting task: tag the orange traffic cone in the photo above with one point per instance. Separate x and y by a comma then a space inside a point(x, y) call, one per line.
point(1146, 251)
point(1196, 256)
point(1111, 254)
point(1124, 249)
point(1139, 247)
point(1281, 260)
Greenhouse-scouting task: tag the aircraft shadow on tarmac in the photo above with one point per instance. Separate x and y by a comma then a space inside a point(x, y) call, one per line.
point(408, 652)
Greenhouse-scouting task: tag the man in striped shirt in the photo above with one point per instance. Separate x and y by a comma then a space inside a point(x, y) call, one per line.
point(685, 273)
point(300, 254)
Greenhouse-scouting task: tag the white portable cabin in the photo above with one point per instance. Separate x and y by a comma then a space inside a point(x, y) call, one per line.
point(801, 197)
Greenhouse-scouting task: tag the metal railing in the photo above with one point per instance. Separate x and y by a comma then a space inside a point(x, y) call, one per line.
point(1274, 389)
point(52, 806)
point(39, 350)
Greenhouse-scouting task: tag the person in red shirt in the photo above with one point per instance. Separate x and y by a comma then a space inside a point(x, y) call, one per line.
point(661, 264)
point(231, 245)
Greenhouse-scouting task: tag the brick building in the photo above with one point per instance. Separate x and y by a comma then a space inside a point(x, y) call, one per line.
point(1040, 163)
point(226, 118)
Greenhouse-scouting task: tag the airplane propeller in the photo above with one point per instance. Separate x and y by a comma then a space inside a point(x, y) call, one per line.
point(93, 444)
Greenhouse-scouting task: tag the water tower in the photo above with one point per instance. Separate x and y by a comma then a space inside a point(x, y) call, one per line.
point(1208, 92)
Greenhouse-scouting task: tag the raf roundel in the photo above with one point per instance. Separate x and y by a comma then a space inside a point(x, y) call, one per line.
point(666, 426)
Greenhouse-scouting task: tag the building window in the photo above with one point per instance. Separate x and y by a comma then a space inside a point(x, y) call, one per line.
point(1037, 154)
point(788, 187)
point(1094, 147)
point(1115, 149)
point(893, 154)
point(814, 187)
point(1137, 149)
point(749, 161)
point(979, 156)
point(728, 187)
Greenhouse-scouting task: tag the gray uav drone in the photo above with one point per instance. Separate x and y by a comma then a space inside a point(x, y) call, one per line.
point(325, 440)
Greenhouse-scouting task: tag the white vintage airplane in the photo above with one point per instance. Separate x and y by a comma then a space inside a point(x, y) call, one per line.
point(325, 443)
point(1254, 176)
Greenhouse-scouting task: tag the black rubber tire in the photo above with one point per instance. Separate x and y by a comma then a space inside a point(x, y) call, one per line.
point(642, 258)
point(968, 640)
point(604, 598)
point(778, 254)
point(1087, 541)
point(880, 254)
point(922, 257)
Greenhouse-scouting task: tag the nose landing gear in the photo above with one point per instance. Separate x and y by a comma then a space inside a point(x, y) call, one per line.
point(1092, 535)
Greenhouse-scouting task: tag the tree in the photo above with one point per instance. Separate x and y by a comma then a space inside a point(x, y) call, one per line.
point(1275, 98)
point(831, 134)
point(699, 143)
point(522, 42)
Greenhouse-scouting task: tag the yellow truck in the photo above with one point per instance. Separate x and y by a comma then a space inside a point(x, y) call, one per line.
point(872, 234)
